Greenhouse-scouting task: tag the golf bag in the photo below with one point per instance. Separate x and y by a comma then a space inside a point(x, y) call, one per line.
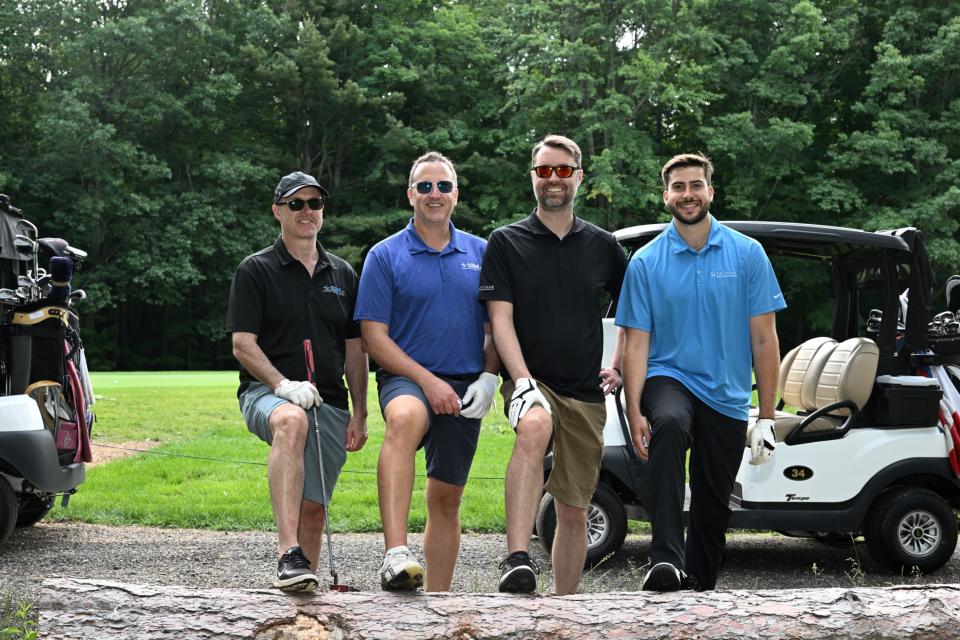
point(41, 354)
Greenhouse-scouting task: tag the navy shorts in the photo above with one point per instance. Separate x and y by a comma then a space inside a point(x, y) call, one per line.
point(451, 441)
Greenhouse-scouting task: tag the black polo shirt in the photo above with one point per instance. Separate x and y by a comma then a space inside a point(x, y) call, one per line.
point(556, 287)
point(274, 297)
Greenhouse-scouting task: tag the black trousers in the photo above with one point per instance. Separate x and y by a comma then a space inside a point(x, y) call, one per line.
point(680, 421)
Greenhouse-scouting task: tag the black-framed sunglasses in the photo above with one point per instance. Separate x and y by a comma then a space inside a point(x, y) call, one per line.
point(545, 170)
point(426, 186)
point(297, 204)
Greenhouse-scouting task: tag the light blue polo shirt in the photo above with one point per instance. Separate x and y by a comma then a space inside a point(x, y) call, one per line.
point(697, 307)
point(428, 298)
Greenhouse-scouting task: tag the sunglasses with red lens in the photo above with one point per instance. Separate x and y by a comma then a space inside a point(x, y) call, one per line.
point(562, 170)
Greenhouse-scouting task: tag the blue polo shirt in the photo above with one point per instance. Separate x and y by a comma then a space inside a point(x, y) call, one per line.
point(428, 298)
point(697, 307)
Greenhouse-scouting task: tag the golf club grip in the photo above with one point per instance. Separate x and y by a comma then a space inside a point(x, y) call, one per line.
point(308, 357)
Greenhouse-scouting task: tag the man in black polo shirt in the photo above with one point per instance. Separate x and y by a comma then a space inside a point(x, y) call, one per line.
point(543, 280)
point(280, 296)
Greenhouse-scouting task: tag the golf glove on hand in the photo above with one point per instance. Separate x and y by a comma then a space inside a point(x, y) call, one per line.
point(525, 395)
point(763, 440)
point(479, 396)
point(298, 392)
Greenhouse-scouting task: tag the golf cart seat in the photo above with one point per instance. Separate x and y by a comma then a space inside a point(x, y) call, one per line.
point(799, 372)
point(829, 383)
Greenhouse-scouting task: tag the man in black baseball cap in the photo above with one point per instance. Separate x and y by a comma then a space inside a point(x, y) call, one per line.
point(279, 297)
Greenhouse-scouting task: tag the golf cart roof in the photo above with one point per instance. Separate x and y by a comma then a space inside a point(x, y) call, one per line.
point(795, 238)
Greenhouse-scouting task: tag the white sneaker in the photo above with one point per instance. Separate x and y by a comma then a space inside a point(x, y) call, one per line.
point(400, 571)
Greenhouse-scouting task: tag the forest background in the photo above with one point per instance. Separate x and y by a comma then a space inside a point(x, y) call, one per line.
point(152, 133)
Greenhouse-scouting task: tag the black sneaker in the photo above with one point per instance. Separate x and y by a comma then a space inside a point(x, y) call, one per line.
point(663, 576)
point(518, 573)
point(294, 573)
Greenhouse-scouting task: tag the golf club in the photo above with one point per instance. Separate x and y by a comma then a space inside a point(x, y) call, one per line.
point(308, 357)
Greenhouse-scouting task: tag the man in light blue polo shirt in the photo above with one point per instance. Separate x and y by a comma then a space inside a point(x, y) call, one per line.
point(698, 305)
point(421, 322)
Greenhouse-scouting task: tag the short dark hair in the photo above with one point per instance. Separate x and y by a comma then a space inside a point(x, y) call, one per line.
point(557, 142)
point(687, 160)
point(432, 156)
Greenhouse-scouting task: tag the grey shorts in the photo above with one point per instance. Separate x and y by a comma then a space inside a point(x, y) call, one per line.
point(451, 441)
point(258, 402)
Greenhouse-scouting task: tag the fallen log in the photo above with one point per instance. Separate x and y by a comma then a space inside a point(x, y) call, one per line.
point(71, 608)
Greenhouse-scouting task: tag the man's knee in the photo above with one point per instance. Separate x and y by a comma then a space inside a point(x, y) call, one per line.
point(288, 423)
point(672, 422)
point(312, 515)
point(533, 432)
point(406, 421)
point(568, 516)
point(443, 499)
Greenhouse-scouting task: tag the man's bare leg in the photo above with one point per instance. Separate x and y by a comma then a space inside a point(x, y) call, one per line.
point(569, 547)
point(441, 540)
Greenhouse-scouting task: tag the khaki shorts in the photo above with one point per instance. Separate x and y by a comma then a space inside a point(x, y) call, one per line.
point(577, 444)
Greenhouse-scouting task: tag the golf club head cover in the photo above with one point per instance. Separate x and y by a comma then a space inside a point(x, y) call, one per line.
point(763, 440)
point(299, 392)
point(525, 395)
point(479, 396)
point(61, 271)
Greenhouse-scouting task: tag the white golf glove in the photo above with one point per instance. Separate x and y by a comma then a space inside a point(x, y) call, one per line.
point(763, 440)
point(479, 396)
point(525, 395)
point(299, 392)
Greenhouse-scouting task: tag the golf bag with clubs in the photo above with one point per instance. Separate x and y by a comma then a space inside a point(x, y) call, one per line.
point(45, 392)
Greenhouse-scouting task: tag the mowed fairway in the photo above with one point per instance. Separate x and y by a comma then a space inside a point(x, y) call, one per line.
point(208, 471)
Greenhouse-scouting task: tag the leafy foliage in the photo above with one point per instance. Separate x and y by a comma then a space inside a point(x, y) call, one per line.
point(151, 133)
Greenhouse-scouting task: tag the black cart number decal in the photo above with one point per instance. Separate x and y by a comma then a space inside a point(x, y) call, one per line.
point(798, 473)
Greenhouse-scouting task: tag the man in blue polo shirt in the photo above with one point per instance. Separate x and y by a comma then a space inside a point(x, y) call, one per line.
point(698, 305)
point(421, 322)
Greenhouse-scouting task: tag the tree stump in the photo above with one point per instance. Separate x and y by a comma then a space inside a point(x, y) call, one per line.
point(101, 609)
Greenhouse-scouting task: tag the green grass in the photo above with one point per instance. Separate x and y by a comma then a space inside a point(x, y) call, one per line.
point(18, 616)
point(223, 485)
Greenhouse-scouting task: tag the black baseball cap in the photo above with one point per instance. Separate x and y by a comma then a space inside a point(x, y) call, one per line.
point(293, 182)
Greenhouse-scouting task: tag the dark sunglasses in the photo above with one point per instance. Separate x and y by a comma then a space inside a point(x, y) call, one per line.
point(425, 186)
point(297, 204)
point(562, 170)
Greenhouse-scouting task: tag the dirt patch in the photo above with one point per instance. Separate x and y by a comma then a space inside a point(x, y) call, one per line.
point(104, 452)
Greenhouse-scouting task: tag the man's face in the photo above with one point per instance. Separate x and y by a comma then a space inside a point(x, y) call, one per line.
point(688, 196)
point(433, 207)
point(554, 192)
point(306, 222)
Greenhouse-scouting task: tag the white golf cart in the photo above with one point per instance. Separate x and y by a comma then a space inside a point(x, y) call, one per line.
point(863, 454)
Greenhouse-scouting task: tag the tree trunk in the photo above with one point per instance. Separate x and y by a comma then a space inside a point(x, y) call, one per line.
point(101, 609)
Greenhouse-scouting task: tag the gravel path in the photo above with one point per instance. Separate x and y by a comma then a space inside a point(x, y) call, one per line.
point(201, 558)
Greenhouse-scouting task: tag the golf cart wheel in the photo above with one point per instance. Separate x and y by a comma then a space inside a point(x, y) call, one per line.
point(32, 511)
point(912, 528)
point(8, 509)
point(606, 524)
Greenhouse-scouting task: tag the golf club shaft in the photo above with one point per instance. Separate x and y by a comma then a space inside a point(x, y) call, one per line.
point(308, 357)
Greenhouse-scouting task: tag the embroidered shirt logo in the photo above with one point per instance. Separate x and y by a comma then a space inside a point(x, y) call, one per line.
point(723, 274)
point(486, 287)
point(470, 266)
point(334, 289)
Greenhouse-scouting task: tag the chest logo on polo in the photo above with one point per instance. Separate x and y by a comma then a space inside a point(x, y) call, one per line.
point(723, 274)
point(334, 289)
point(470, 266)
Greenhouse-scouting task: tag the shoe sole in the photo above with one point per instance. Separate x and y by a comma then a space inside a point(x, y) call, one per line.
point(299, 583)
point(518, 580)
point(662, 577)
point(409, 579)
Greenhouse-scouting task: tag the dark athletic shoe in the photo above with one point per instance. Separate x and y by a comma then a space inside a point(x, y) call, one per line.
point(518, 573)
point(294, 573)
point(663, 576)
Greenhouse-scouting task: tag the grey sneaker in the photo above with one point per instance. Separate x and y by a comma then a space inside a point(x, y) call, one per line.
point(400, 571)
point(294, 572)
point(663, 576)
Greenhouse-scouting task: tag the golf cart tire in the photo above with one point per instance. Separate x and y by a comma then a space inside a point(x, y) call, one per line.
point(911, 527)
point(32, 511)
point(8, 509)
point(606, 524)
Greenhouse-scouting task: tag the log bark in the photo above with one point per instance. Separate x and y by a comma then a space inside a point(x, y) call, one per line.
point(71, 608)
